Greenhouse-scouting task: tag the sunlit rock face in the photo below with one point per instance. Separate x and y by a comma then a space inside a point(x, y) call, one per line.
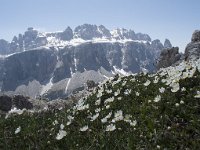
point(192, 50)
point(55, 64)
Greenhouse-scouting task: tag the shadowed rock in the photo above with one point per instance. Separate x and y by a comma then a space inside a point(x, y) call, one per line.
point(5, 103)
point(22, 102)
point(168, 57)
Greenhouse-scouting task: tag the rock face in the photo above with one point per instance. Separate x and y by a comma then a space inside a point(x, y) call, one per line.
point(88, 32)
point(53, 65)
point(192, 50)
point(27, 66)
point(168, 57)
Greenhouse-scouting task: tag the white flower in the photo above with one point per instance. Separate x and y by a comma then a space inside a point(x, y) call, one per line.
point(183, 89)
point(109, 100)
point(83, 107)
point(55, 122)
point(177, 104)
point(124, 83)
point(147, 83)
point(109, 91)
point(133, 79)
point(84, 128)
point(156, 79)
point(185, 75)
point(118, 116)
point(133, 123)
point(158, 146)
point(119, 98)
point(197, 96)
point(104, 120)
point(70, 118)
point(62, 126)
point(107, 106)
point(110, 127)
point(18, 130)
point(137, 93)
point(97, 110)
point(117, 93)
point(98, 102)
point(127, 91)
point(68, 123)
point(61, 134)
point(162, 90)
point(99, 94)
point(157, 98)
point(175, 87)
point(181, 102)
point(94, 117)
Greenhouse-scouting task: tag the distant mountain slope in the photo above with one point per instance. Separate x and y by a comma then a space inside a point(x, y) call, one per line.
point(55, 64)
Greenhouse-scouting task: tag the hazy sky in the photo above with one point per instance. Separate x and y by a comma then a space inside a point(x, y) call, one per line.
point(173, 19)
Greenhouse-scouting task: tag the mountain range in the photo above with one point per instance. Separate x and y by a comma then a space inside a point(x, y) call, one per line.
point(54, 64)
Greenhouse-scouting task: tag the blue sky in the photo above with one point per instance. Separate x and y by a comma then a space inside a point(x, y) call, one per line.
point(172, 19)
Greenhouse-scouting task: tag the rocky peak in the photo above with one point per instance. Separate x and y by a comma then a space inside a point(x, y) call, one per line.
point(192, 50)
point(196, 36)
point(143, 37)
point(156, 47)
point(167, 44)
point(88, 31)
point(102, 29)
point(66, 35)
point(120, 33)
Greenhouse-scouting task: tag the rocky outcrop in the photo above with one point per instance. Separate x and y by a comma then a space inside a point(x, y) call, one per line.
point(4, 47)
point(22, 102)
point(66, 35)
point(88, 32)
point(156, 47)
point(192, 50)
point(168, 57)
point(167, 44)
point(16, 101)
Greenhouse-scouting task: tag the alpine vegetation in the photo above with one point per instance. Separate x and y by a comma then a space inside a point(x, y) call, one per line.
point(141, 111)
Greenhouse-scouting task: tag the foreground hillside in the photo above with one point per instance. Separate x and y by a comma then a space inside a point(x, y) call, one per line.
point(144, 111)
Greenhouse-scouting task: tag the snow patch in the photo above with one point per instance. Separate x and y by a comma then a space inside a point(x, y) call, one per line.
point(47, 87)
point(120, 71)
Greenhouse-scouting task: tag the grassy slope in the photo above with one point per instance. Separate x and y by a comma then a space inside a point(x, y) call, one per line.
point(141, 116)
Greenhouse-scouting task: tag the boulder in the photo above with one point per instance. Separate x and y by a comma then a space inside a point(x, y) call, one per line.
point(5, 103)
point(21, 102)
